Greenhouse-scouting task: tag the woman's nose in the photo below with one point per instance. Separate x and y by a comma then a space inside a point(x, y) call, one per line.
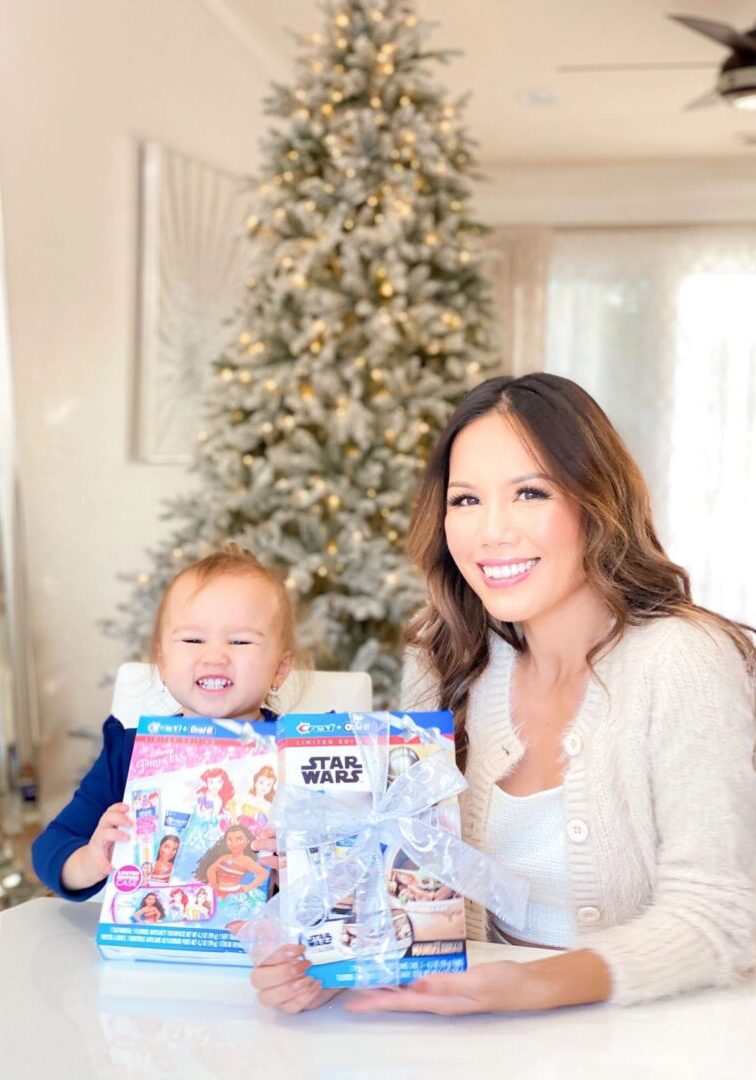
point(499, 525)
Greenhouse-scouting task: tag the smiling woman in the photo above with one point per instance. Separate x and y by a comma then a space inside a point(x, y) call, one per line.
point(531, 468)
point(604, 721)
point(602, 715)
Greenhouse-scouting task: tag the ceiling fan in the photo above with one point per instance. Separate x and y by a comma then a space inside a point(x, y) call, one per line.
point(736, 80)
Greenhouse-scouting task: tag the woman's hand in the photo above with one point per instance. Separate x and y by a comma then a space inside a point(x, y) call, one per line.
point(92, 862)
point(282, 982)
point(572, 978)
point(485, 988)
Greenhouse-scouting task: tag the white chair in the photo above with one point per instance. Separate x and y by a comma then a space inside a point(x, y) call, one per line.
point(139, 692)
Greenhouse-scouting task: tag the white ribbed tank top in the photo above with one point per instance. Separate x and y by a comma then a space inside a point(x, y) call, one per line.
point(525, 834)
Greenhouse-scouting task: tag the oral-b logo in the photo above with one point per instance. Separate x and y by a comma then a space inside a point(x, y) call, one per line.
point(356, 725)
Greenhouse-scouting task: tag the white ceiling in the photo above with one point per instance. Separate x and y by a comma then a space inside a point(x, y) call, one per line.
point(512, 47)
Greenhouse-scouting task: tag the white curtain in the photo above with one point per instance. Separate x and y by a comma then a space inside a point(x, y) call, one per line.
point(659, 325)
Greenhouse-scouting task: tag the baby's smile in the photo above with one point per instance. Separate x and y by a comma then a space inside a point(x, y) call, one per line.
point(214, 682)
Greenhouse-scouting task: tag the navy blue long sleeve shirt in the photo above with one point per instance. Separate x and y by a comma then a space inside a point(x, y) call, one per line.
point(103, 785)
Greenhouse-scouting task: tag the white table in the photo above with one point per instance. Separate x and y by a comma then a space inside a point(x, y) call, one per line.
point(66, 1013)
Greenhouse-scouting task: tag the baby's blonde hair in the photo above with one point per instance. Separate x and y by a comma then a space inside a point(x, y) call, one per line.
point(235, 560)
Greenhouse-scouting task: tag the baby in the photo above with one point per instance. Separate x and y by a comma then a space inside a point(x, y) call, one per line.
point(223, 641)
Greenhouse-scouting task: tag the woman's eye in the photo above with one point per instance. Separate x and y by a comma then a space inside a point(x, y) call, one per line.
point(525, 494)
point(462, 500)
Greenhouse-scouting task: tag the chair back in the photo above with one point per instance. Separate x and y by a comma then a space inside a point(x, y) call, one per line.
point(139, 691)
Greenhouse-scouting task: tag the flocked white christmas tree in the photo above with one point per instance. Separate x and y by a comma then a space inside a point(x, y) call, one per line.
point(367, 319)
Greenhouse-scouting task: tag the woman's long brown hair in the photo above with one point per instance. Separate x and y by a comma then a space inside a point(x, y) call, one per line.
point(578, 448)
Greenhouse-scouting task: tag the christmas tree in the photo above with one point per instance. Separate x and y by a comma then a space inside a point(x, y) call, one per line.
point(367, 319)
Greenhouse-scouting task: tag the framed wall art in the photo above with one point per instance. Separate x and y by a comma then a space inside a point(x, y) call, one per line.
point(192, 263)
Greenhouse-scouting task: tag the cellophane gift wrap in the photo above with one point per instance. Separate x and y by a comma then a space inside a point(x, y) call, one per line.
point(376, 873)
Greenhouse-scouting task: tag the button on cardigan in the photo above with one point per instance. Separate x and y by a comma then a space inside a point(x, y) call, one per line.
point(660, 802)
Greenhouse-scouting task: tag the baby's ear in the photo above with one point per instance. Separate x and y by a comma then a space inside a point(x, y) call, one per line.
point(283, 669)
point(157, 663)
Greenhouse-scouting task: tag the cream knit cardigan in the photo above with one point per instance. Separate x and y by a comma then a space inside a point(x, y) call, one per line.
point(660, 796)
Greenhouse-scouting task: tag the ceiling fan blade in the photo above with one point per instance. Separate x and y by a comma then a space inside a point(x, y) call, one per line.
point(717, 31)
point(706, 101)
point(672, 65)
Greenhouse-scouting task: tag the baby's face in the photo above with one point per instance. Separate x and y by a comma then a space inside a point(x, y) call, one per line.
point(220, 647)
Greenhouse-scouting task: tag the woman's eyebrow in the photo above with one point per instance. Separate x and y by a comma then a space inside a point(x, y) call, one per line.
point(529, 476)
point(514, 480)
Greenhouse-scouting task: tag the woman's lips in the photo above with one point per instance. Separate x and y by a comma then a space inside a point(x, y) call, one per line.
point(503, 575)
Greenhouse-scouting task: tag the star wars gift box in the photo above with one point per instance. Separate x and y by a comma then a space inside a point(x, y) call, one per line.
point(199, 792)
point(421, 924)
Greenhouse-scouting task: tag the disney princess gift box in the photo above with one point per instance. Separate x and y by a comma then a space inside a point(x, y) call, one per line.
point(199, 791)
point(368, 901)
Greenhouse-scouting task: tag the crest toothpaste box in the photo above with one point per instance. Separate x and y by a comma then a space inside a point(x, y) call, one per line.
point(199, 791)
point(321, 753)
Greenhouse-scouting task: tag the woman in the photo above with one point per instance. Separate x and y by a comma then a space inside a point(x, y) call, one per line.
point(605, 722)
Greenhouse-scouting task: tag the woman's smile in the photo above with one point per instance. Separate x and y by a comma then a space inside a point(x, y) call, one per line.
point(507, 572)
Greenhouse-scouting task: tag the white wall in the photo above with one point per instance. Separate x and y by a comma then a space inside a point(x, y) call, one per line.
point(80, 83)
point(651, 192)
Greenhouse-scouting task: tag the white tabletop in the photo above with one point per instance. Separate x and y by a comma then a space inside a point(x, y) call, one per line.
point(66, 1013)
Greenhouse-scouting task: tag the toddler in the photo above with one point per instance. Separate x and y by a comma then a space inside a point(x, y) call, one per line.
point(223, 641)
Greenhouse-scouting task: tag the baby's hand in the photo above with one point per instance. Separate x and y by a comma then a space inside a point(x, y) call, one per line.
point(92, 862)
point(265, 841)
point(115, 824)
